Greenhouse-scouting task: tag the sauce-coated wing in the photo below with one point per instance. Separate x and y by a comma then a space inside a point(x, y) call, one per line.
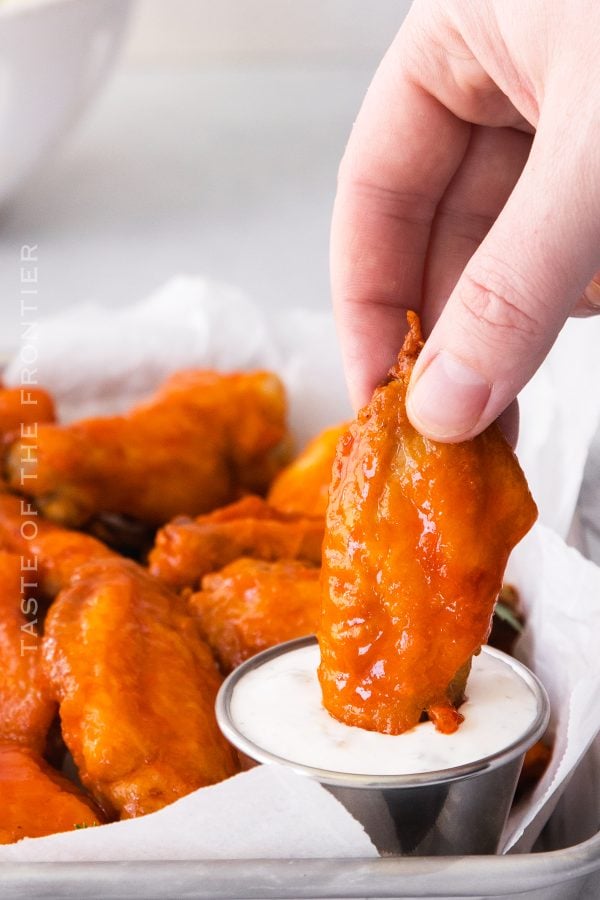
point(136, 686)
point(417, 538)
point(303, 486)
point(21, 408)
point(187, 549)
point(51, 553)
point(198, 443)
point(252, 605)
point(26, 708)
point(35, 800)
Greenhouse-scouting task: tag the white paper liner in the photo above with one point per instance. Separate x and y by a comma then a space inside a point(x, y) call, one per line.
point(266, 813)
point(97, 361)
point(560, 591)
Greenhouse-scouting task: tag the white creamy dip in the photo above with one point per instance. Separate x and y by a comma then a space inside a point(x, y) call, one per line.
point(278, 707)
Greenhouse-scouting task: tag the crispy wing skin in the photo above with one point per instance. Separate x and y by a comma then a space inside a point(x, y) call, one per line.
point(303, 486)
point(21, 408)
point(251, 605)
point(53, 554)
point(136, 686)
point(186, 549)
point(417, 539)
point(36, 800)
point(26, 708)
point(198, 443)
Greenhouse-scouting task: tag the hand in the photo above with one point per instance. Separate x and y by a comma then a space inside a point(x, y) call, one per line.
point(470, 191)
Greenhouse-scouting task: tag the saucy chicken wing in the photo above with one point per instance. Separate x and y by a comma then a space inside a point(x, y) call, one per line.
point(36, 800)
point(21, 408)
point(303, 486)
point(417, 539)
point(136, 686)
point(26, 708)
point(187, 549)
point(51, 553)
point(203, 439)
point(251, 605)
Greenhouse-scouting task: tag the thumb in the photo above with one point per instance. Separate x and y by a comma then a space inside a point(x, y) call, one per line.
point(512, 299)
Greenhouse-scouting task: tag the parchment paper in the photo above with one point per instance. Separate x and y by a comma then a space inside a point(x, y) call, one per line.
point(560, 591)
point(97, 361)
point(268, 812)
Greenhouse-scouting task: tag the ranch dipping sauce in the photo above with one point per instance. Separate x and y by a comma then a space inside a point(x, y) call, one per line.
point(277, 706)
point(420, 793)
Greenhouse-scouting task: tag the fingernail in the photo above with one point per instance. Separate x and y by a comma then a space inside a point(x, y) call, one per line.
point(592, 294)
point(448, 399)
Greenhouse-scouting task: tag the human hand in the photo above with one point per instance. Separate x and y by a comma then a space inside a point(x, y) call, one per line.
point(470, 191)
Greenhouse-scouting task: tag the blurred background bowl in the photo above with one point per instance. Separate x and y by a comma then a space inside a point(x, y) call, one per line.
point(54, 54)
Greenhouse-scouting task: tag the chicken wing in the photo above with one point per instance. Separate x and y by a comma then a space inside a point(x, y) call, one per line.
point(198, 443)
point(36, 800)
point(136, 686)
point(251, 605)
point(26, 708)
point(303, 486)
point(21, 408)
point(185, 550)
point(52, 554)
point(417, 538)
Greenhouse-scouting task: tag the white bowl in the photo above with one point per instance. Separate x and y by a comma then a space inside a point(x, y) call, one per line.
point(53, 56)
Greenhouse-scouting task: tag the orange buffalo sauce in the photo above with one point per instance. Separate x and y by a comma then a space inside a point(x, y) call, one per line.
point(417, 539)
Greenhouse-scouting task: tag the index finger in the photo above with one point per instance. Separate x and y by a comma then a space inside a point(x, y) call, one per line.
point(403, 151)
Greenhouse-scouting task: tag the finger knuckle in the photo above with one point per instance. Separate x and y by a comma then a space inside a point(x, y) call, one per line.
point(499, 304)
point(377, 198)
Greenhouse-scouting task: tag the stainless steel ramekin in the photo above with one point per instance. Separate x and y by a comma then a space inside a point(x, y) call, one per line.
point(461, 810)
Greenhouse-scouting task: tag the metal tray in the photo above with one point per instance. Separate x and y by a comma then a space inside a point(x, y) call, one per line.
point(572, 873)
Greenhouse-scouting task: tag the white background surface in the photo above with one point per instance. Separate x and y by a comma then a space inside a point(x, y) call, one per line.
point(325, 31)
point(213, 149)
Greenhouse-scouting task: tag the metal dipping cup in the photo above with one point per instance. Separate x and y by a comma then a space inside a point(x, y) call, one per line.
point(457, 811)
